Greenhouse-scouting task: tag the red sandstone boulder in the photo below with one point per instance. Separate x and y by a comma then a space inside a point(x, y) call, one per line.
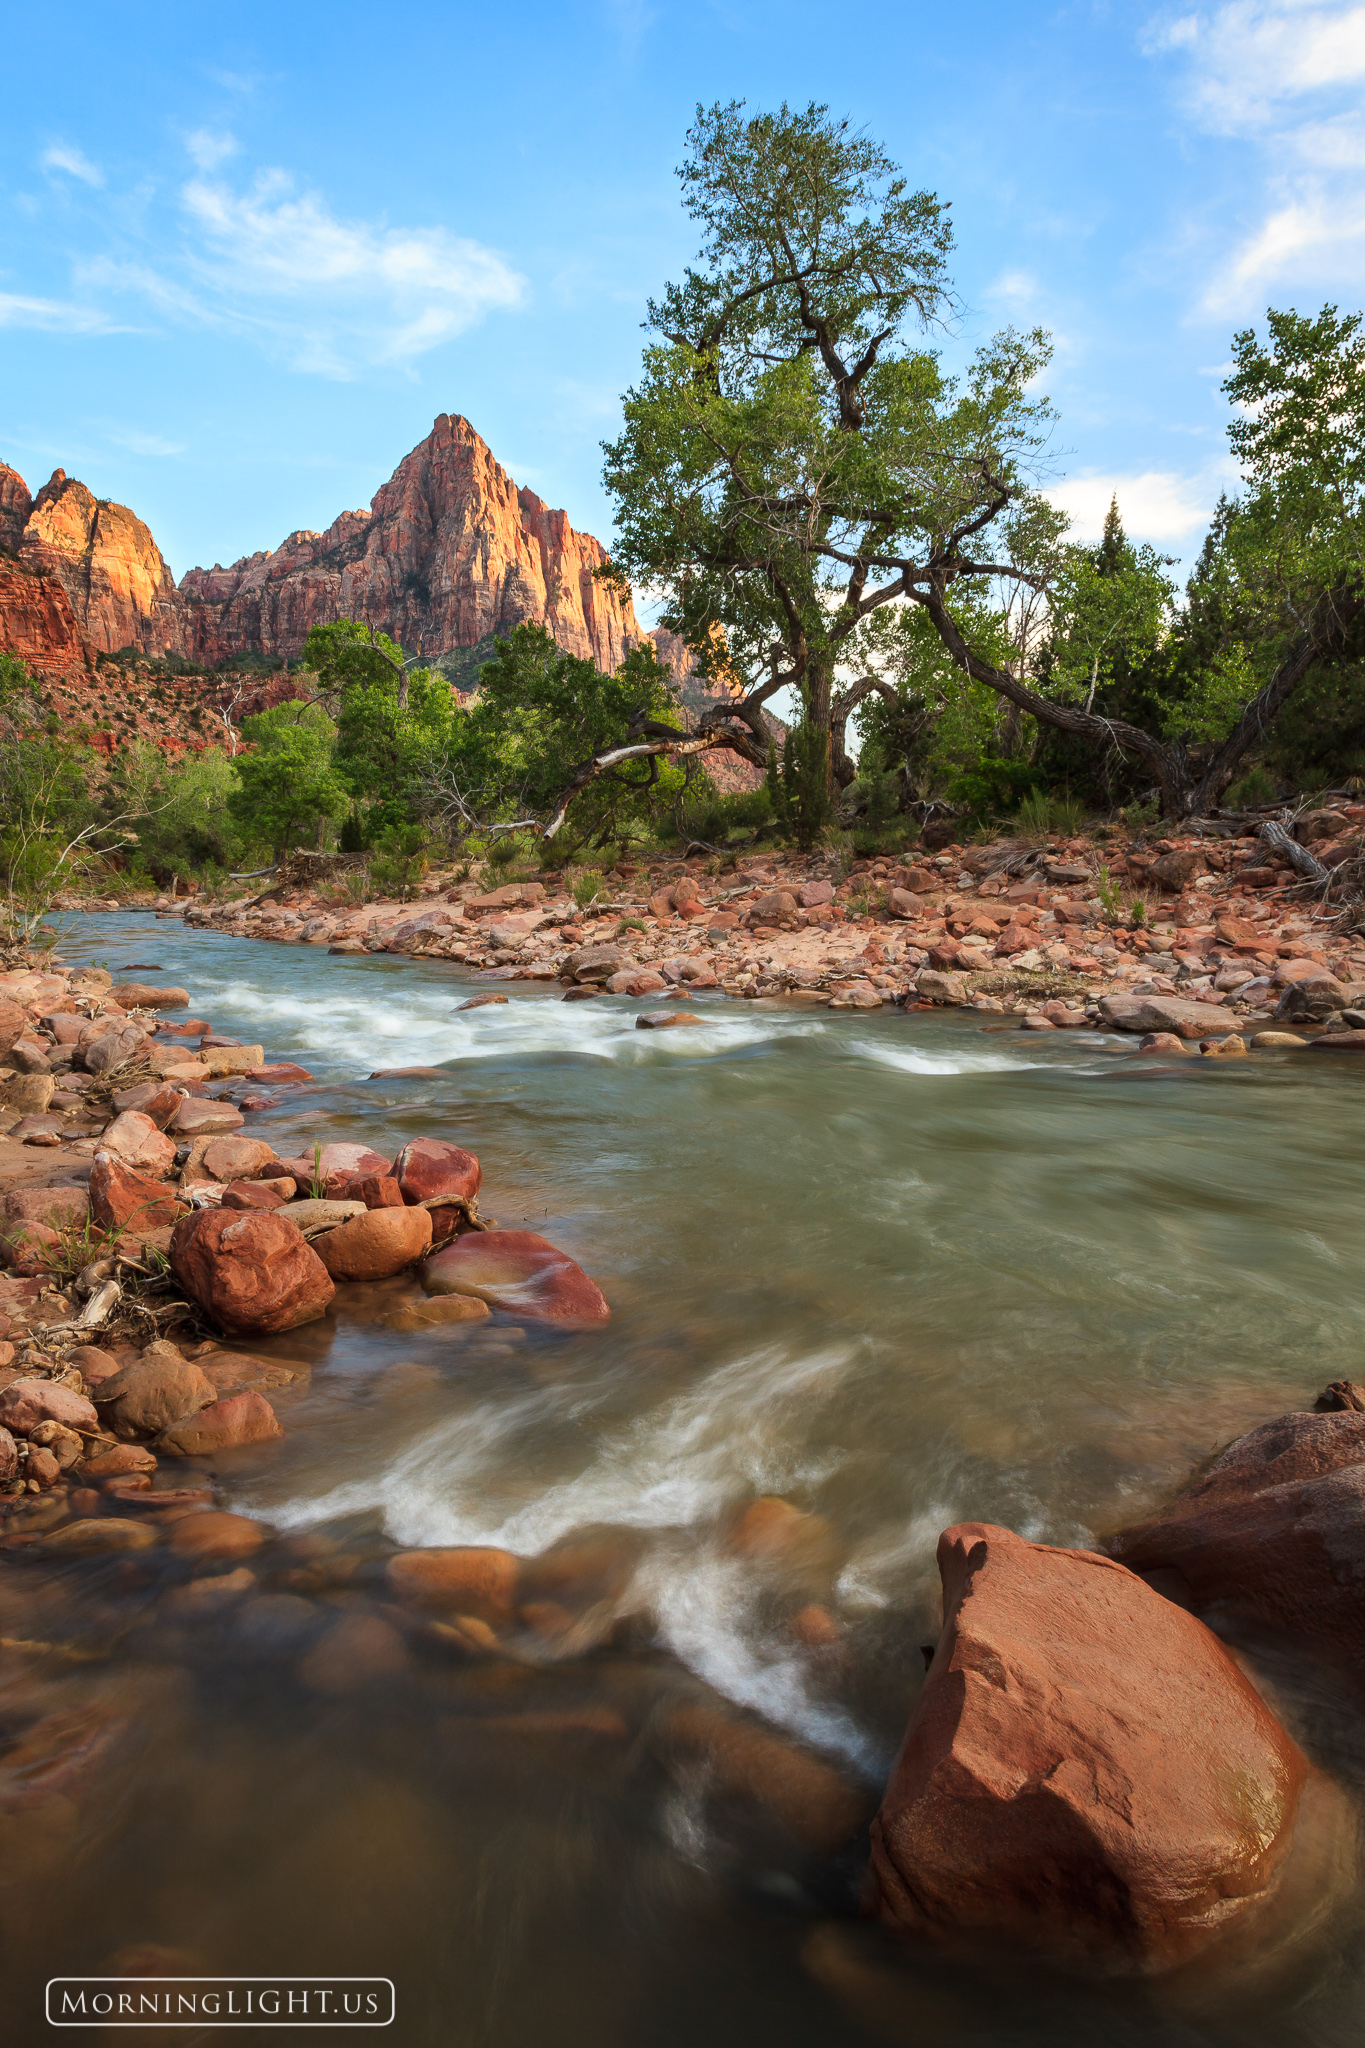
point(283, 1070)
point(1086, 1773)
point(26, 1403)
point(257, 1194)
point(217, 1534)
point(146, 995)
point(198, 1116)
point(227, 1425)
point(1275, 1529)
point(229, 1159)
point(429, 1166)
point(252, 1274)
point(376, 1245)
point(109, 1043)
point(138, 1141)
point(518, 1271)
point(123, 1200)
point(13, 1024)
point(30, 1249)
point(334, 1159)
point(57, 1207)
point(377, 1190)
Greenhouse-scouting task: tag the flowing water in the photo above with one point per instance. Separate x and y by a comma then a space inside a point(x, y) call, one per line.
point(901, 1270)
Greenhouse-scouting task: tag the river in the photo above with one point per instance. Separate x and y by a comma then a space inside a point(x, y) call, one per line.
point(901, 1270)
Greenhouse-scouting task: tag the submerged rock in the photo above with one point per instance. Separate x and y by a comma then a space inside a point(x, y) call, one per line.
point(518, 1271)
point(470, 1579)
point(227, 1425)
point(1086, 1772)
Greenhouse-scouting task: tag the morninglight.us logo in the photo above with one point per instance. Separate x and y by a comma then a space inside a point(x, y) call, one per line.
point(220, 2002)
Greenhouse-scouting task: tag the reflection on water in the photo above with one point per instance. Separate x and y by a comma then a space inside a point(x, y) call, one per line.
point(899, 1271)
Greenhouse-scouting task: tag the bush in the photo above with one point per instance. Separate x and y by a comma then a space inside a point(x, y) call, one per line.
point(995, 787)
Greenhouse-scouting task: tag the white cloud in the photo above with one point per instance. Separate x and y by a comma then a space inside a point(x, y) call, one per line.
point(210, 150)
point(62, 157)
point(1160, 506)
point(54, 316)
point(1286, 76)
point(139, 443)
point(273, 263)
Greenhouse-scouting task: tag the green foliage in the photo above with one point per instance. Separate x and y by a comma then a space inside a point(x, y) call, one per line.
point(400, 860)
point(1043, 812)
point(288, 785)
point(994, 788)
point(1251, 789)
point(585, 889)
point(797, 783)
point(178, 810)
point(541, 714)
point(392, 723)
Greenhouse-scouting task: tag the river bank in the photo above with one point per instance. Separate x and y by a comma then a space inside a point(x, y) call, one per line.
point(889, 1268)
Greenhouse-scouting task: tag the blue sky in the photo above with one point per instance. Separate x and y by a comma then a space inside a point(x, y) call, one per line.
point(248, 254)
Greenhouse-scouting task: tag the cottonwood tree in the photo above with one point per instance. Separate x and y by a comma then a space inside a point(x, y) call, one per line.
point(791, 464)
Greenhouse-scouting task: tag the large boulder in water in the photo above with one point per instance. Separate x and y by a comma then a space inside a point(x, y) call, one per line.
point(1274, 1529)
point(376, 1245)
point(252, 1273)
point(517, 1271)
point(427, 1167)
point(1087, 1774)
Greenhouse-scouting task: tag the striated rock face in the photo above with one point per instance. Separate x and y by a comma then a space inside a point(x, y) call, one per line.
point(15, 506)
point(37, 623)
point(449, 552)
point(116, 579)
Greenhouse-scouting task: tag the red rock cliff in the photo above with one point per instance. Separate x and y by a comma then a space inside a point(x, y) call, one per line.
point(113, 572)
point(15, 506)
point(449, 551)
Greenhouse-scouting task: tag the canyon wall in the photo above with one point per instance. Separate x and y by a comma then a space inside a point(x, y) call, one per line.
point(449, 552)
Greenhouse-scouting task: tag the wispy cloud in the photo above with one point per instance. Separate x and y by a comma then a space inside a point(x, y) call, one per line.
point(1284, 75)
point(270, 260)
point(55, 316)
point(62, 157)
point(209, 149)
point(138, 443)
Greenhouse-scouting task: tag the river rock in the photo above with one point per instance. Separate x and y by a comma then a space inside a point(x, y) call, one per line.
point(252, 1274)
point(376, 1244)
point(105, 1046)
point(1165, 1013)
point(1086, 1774)
point(27, 1402)
point(1274, 1529)
point(520, 1272)
point(635, 981)
point(812, 894)
point(595, 963)
point(156, 1100)
point(9, 1456)
point(1339, 1041)
point(282, 1070)
point(477, 1580)
point(92, 1538)
point(377, 1190)
point(198, 1117)
point(436, 1313)
point(812, 1802)
point(30, 1250)
point(13, 1024)
point(1309, 1002)
point(138, 1142)
point(222, 1060)
point(227, 1425)
point(229, 1159)
point(216, 1534)
point(427, 1167)
point(348, 1159)
point(933, 986)
point(663, 1020)
point(1162, 1041)
point(159, 1388)
point(123, 1200)
point(144, 995)
point(120, 1462)
point(59, 1208)
point(257, 1194)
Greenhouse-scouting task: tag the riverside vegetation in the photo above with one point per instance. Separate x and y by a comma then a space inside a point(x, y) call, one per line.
point(1124, 1759)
